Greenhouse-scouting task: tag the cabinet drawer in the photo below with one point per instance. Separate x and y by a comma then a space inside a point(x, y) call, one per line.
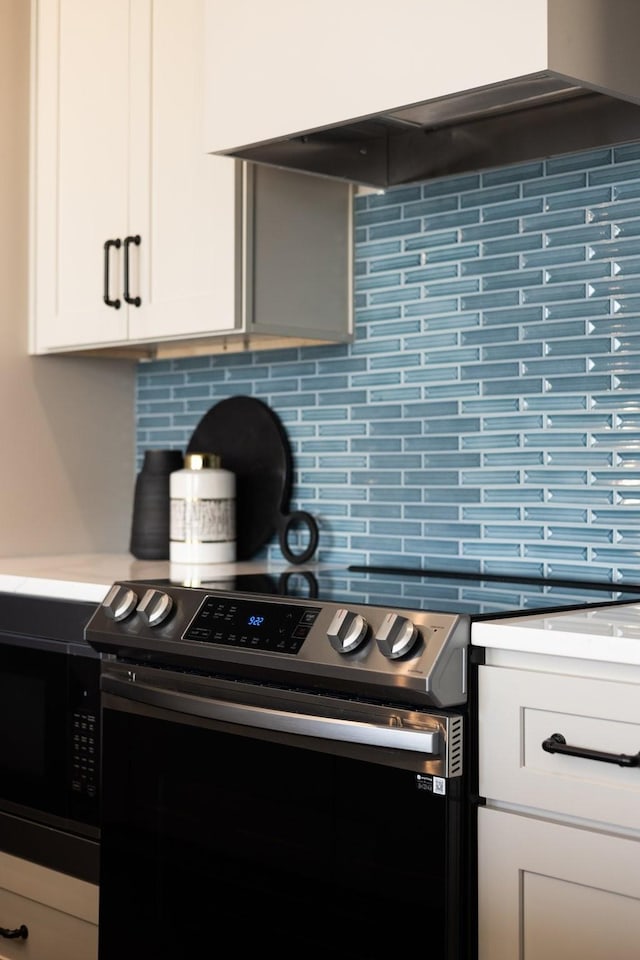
point(520, 709)
point(59, 911)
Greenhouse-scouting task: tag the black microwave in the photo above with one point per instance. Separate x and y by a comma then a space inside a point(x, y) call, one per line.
point(49, 734)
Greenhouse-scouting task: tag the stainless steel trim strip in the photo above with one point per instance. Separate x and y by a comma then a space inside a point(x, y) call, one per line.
point(326, 728)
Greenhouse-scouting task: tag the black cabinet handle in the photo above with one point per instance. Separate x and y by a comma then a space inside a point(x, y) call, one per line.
point(556, 743)
point(20, 933)
point(107, 247)
point(136, 301)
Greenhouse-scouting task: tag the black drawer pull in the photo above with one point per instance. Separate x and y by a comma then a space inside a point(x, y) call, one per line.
point(127, 243)
point(107, 247)
point(556, 743)
point(20, 933)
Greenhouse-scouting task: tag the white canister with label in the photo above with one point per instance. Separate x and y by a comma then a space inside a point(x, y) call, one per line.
point(202, 527)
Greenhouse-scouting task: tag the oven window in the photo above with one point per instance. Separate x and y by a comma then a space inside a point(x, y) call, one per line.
point(33, 728)
point(23, 696)
point(208, 833)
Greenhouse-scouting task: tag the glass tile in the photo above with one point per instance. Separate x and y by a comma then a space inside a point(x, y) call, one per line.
point(382, 215)
point(484, 514)
point(555, 256)
point(558, 514)
point(378, 281)
point(435, 272)
point(505, 281)
point(614, 173)
point(489, 371)
point(496, 194)
point(512, 387)
point(520, 531)
point(426, 241)
point(587, 271)
point(401, 262)
point(554, 552)
point(457, 218)
point(616, 210)
point(626, 191)
point(517, 494)
point(577, 384)
point(523, 422)
point(432, 205)
point(516, 208)
point(517, 172)
point(430, 512)
point(397, 228)
point(579, 198)
point(561, 183)
point(586, 535)
point(574, 347)
point(548, 366)
point(565, 291)
point(557, 477)
point(485, 549)
point(484, 231)
point(590, 496)
point(515, 458)
point(484, 441)
point(512, 244)
point(489, 301)
point(455, 184)
point(579, 161)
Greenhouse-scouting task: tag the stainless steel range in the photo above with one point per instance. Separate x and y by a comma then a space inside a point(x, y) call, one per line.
point(296, 753)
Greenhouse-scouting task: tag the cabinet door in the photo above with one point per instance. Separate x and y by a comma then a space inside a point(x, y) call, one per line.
point(81, 168)
point(547, 891)
point(119, 155)
point(184, 204)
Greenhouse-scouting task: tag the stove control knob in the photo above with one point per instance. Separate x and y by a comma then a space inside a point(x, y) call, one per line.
point(155, 607)
point(120, 602)
point(396, 636)
point(347, 631)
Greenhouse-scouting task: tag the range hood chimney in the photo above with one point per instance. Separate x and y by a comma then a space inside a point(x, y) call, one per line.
point(588, 96)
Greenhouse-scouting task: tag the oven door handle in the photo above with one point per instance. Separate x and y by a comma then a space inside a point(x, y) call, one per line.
point(396, 735)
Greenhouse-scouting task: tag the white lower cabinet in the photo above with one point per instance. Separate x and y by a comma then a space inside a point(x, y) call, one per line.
point(559, 837)
point(548, 891)
point(60, 913)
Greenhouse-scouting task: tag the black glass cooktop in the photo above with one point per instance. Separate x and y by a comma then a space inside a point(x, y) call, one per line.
point(476, 595)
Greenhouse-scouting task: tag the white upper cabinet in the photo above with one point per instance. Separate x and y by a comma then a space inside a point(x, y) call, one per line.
point(142, 243)
point(284, 67)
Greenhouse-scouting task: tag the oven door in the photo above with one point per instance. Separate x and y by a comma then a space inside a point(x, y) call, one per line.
point(220, 820)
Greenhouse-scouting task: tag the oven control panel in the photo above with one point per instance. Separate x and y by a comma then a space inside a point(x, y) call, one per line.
point(277, 627)
point(415, 656)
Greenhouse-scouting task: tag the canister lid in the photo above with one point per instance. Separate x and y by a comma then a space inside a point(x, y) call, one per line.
point(201, 461)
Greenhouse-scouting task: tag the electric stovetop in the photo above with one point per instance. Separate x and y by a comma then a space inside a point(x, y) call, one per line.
point(479, 596)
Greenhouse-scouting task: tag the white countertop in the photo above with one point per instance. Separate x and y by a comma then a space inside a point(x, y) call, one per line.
point(89, 576)
point(609, 633)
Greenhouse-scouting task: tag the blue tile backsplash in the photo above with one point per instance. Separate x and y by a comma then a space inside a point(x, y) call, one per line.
point(487, 415)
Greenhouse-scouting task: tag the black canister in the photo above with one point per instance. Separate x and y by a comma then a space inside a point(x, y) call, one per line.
point(150, 523)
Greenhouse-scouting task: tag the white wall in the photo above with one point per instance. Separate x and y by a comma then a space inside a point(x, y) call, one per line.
point(66, 424)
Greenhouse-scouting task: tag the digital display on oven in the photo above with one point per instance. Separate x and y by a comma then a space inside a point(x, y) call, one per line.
point(253, 624)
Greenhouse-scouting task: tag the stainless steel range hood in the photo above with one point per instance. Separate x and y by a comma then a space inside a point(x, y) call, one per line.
point(589, 96)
